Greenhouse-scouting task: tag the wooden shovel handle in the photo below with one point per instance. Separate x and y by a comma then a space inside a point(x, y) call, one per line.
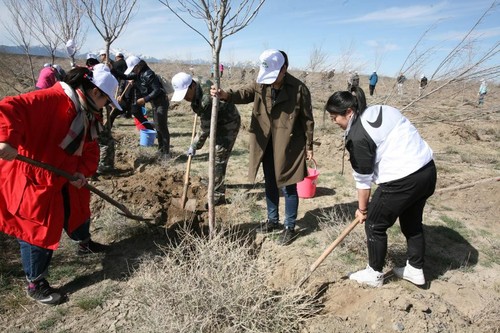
point(332, 246)
point(70, 177)
point(188, 166)
point(328, 250)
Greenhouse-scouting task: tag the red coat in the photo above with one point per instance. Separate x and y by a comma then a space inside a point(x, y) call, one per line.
point(31, 203)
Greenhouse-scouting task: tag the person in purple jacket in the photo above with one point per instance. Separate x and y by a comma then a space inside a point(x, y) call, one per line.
point(46, 78)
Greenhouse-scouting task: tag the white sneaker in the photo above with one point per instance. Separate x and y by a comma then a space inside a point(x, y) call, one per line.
point(368, 276)
point(410, 273)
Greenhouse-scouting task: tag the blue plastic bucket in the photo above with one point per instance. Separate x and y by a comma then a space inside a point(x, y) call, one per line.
point(147, 137)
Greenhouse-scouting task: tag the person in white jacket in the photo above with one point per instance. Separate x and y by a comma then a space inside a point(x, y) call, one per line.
point(386, 149)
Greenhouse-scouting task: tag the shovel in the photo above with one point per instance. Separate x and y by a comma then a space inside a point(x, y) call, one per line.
point(329, 250)
point(184, 203)
point(124, 210)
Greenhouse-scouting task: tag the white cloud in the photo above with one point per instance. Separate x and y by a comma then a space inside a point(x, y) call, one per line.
point(410, 14)
point(454, 35)
point(382, 46)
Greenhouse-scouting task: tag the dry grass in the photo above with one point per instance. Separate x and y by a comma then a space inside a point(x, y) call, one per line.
point(213, 286)
point(224, 285)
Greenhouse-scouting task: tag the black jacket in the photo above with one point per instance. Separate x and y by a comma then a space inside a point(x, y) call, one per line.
point(147, 85)
point(120, 65)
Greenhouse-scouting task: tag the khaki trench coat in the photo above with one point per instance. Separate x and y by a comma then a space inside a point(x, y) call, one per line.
point(288, 121)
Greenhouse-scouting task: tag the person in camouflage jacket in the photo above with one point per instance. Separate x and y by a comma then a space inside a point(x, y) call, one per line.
point(228, 125)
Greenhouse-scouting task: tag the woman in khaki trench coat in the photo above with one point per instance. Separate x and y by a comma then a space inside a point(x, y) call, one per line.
point(281, 135)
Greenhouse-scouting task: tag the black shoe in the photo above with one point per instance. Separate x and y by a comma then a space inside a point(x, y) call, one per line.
point(44, 294)
point(91, 247)
point(287, 236)
point(267, 227)
point(220, 201)
point(105, 170)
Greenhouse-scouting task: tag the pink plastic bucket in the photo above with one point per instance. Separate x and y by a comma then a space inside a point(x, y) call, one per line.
point(307, 187)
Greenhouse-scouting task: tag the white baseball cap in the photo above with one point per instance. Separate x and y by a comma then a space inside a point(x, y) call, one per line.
point(106, 82)
point(102, 52)
point(131, 61)
point(271, 62)
point(180, 82)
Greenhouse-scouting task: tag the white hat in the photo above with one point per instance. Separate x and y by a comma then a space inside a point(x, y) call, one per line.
point(119, 54)
point(131, 61)
point(180, 82)
point(271, 62)
point(47, 64)
point(422, 76)
point(102, 52)
point(71, 47)
point(106, 82)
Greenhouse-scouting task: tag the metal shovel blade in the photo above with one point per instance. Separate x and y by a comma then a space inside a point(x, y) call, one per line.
point(189, 204)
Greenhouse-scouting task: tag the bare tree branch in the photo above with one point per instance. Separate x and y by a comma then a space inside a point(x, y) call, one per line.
point(317, 59)
point(20, 31)
point(109, 17)
point(460, 65)
point(68, 15)
point(221, 22)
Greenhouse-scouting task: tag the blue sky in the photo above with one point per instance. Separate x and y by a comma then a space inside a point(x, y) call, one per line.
point(362, 35)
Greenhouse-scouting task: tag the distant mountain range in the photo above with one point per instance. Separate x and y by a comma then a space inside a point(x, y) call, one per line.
point(42, 52)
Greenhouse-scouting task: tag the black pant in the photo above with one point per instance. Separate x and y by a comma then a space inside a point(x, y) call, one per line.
point(160, 116)
point(404, 198)
point(372, 89)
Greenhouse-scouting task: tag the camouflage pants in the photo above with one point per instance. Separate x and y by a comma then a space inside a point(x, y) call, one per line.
point(107, 151)
point(223, 148)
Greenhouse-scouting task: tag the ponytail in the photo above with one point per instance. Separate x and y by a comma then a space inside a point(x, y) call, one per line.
point(359, 94)
point(340, 101)
point(80, 77)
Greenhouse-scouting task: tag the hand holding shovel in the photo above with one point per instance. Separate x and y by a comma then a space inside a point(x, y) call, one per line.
point(125, 212)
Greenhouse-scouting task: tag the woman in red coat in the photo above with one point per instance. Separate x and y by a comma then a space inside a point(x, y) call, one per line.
point(58, 126)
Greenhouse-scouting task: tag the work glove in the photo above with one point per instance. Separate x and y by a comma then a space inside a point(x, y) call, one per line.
point(191, 151)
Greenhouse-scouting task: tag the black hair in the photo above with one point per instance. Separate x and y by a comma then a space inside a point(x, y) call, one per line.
point(340, 101)
point(80, 77)
point(141, 65)
point(286, 58)
point(91, 62)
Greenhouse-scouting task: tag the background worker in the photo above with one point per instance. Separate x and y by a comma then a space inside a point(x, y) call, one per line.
point(228, 125)
point(483, 90)
point(373, 82)
point(148, 88)
point(423, 84)
point(46, 77)
point(281, 135)
point(355, 79)
point(124, 91)
point(400, 82)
